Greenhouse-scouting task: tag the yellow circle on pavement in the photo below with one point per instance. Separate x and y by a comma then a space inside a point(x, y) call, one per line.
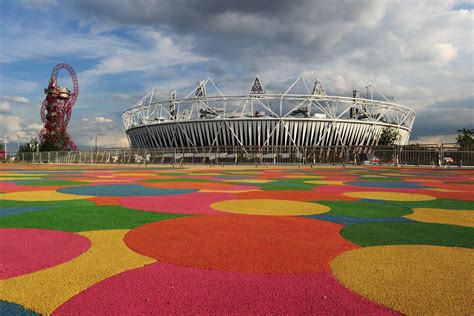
point(442, 216)
point(326, 182)
point(249, 181)
point(49, 195)
point(19, 178)
point(412, 279)
point(270, 207)
point(390, 196)
point(302, 176)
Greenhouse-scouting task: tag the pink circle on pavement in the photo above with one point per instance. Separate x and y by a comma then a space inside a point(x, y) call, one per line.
point(188, 203)
point(168, 289)
point(14, 187)
point(25, 250)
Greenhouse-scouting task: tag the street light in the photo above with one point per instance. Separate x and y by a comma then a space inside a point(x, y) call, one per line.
point(5, 147)
point(92, 153)
point(91, 138)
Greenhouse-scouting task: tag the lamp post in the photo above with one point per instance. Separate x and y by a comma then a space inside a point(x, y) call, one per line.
point(5, 148)
point(92, 153)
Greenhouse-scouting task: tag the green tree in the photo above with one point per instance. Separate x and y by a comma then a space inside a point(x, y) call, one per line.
point(58, 143)
point(389, 136)
point(32, 146)
point(465, 137)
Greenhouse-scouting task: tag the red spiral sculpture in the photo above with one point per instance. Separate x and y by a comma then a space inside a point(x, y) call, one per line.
point(56, 112)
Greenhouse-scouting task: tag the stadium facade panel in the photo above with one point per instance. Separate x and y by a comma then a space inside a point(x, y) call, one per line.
point(261, 119)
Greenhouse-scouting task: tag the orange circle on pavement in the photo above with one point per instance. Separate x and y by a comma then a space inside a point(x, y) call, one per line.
point(242, 243)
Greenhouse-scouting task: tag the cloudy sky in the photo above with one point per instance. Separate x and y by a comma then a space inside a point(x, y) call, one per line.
point(419, 52)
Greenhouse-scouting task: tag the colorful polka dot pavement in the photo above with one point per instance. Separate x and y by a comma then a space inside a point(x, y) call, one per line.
point(93, 240)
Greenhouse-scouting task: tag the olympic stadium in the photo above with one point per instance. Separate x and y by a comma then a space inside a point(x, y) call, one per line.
point(206, 117)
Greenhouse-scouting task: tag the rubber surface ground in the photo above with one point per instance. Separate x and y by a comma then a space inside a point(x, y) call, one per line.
point(123, 240)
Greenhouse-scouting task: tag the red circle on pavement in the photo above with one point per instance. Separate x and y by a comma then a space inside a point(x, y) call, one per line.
point(241, 243)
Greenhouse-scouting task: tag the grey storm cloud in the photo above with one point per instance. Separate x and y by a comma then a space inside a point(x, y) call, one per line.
point(232, 29)
point(445, 117)
point(414, 51)
point(353, 38)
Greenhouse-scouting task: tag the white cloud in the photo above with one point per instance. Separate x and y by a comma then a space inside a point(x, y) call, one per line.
point(160, 52)
point(13, 127)
point(446, 52)
point(21, 100)
point(108, 133)
point(438, 53)
point(42, 43)
point(4, 107)
point(97, 119)
point(34, 127)
point(112, 140)
point(6, 102)
point(17, 99)
point(14, 124)
point(101, 119)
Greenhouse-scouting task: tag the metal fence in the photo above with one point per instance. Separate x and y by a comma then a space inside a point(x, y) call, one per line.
point(435, 155)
